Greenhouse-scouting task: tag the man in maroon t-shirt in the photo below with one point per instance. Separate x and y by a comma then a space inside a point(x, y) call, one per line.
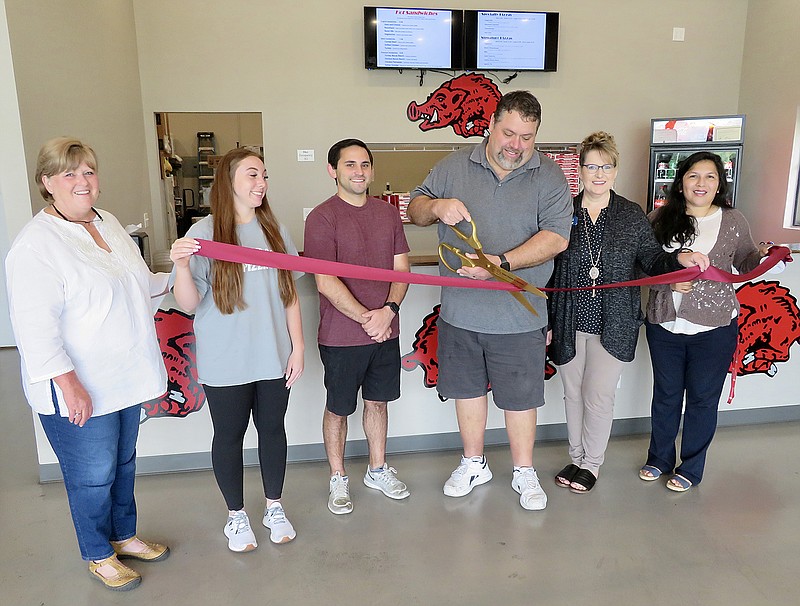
point(358, 328)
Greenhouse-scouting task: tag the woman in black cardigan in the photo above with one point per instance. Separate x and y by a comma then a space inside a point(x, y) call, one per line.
point(595, 330)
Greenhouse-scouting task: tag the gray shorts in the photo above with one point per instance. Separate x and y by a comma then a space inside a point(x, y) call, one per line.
point(469, 362)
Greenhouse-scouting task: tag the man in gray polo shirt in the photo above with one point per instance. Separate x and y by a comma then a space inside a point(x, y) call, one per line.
point(520, 202)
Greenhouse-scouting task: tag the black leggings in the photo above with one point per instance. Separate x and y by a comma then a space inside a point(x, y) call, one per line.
point(230, 409)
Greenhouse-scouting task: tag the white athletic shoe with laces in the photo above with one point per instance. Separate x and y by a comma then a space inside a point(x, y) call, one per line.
point(470, 473)
point(339, 498)
point(385, 480)
point(281, 529)
point(240, 535)
point(531, 494)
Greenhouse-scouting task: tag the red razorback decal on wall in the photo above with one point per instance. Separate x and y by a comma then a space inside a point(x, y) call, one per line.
point(769, 324)
point(424, 352)
point(465, 103)
point(424, 349)
point(184, 393)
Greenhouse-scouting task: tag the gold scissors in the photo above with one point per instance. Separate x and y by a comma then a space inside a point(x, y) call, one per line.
point(496, 271)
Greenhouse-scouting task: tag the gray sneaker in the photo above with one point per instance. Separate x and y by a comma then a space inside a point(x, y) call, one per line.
point(240, 535)
point(339, 499)
point(385, 480)
point(281, 529)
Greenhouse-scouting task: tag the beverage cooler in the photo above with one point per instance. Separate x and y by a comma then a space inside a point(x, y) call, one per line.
point(674, 139)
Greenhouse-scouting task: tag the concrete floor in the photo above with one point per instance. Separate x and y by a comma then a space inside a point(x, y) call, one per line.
point(733, 540)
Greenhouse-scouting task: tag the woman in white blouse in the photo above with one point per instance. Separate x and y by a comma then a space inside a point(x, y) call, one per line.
point(80, 300)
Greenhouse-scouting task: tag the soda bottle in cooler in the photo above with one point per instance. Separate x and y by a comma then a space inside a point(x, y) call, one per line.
point(728, 166)
point(662, 162)
point(660, 197)
point(673, 166)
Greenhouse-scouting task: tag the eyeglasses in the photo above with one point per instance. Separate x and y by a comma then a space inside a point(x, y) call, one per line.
point(593, 168)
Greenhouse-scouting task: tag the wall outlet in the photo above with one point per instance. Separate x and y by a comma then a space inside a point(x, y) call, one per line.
point(678, 34)
point(305, 213)
point(146, 221)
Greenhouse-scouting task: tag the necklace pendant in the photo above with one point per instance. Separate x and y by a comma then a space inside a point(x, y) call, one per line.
point(594, 273)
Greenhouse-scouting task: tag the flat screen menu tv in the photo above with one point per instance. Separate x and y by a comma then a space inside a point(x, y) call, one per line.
point(510, 40)
point(413, 38)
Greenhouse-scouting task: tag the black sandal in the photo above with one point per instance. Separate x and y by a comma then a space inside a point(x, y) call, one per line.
point(584, 478)
point(565, 476)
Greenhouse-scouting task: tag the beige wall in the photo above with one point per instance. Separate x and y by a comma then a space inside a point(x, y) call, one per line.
point(770, 96)
point(77, 74)
point(15, 204)
point(99, 69)
point(102, 67)
point(301, 65)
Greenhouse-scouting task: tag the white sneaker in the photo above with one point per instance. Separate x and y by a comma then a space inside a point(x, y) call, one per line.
point(385, 480)
point(281, 529)
point(531, 494)
point(469, 474)
point(339, 499)
point(240, 535)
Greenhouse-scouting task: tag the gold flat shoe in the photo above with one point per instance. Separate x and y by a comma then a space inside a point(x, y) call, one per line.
point(155, 552)
point(124, 579)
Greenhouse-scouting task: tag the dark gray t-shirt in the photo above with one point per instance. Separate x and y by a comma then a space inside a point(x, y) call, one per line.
point(532, 198)
point(251, 344)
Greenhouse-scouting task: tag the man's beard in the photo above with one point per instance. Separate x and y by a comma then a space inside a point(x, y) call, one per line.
point(506, 163)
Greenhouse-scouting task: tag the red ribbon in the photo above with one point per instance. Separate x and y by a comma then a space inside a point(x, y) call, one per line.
point(254, 256)
point(687, 274)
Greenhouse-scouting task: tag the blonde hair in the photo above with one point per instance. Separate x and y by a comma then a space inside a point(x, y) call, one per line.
point(228, 278)
point(61, 154)
point(602, 142)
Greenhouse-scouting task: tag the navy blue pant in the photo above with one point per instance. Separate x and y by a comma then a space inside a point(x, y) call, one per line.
point(694, 366)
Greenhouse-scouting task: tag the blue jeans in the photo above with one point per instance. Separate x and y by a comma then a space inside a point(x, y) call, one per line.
point(694, 365)
point(98, 462)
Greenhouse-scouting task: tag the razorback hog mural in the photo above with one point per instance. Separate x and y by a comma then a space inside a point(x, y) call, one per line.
point(769, 324)
point(184, 393)
point(425, 347)
point(464, 103)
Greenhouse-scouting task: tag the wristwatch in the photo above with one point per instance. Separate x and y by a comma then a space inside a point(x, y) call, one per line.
point(393, 306)
point(504, 264)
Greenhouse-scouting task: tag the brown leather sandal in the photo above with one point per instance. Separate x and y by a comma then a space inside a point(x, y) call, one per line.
point(155, 552)
point(124, 578)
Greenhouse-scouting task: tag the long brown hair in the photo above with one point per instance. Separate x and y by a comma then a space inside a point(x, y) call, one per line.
point(672, 223)
point(228, 277)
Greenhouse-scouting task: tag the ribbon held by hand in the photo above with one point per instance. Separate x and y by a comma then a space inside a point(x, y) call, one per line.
point(254, 256)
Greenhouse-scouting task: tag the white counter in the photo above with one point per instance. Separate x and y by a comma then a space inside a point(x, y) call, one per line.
point(420, 421)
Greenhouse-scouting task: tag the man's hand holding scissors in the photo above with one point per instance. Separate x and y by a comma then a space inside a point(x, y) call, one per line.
point(450, 210)
point(478, 260)
point(478, 273)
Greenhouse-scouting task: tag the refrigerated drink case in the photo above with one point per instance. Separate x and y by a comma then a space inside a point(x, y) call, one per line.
point(672, 140)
